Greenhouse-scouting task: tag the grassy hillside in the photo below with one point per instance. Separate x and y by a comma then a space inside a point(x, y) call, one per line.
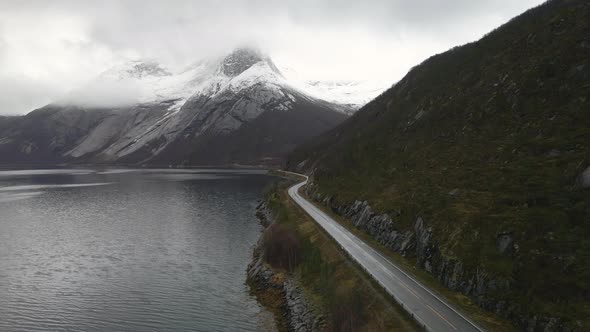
point(486, 140)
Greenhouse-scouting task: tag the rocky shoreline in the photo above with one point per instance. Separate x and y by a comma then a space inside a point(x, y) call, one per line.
point(280, 290)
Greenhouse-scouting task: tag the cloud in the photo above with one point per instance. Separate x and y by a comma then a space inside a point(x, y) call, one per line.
point(102, 94)
point(52, 47)
point(19, 95)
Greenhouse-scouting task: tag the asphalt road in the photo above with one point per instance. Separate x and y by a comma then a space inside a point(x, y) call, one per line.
point(428, 309)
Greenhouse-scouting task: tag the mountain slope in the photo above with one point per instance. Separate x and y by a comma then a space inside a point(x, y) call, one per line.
point(261, 139)
point(473, 165)
point(142, 113)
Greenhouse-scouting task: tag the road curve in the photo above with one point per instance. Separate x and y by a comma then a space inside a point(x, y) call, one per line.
point(428, 309)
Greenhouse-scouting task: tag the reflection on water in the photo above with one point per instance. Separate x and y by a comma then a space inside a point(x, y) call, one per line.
point(132, 250)
point(9, 197)
point(47, 186)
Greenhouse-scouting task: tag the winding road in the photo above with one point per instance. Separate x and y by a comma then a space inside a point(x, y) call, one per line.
point(430, 311)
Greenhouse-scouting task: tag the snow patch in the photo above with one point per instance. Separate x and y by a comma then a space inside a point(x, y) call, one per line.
point(353, 93)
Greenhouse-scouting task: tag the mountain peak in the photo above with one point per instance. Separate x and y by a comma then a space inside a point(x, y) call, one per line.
point(139, 69)
point(135, 69)
point(240, 59)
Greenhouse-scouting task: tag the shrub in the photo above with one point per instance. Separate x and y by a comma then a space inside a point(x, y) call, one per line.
point(281, 247)
point(346, 312)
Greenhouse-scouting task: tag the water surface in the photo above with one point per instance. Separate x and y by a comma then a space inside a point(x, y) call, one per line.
point(128, 250)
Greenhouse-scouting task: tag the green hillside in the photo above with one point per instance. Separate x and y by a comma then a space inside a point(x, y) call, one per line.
point(487, 143)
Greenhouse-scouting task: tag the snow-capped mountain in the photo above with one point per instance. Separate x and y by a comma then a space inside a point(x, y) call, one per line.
point(149, 82)
point(352, 93)
point(236, 108)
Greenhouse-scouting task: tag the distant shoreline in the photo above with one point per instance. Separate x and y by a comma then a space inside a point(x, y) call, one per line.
point(128, 166)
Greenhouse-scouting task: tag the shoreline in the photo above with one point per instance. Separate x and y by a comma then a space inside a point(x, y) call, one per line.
point(278, 291)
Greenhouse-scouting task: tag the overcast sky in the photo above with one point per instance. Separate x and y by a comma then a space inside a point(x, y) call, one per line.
point(49, 47)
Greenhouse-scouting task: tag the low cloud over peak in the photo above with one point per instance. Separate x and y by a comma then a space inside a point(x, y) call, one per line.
point(48, 48)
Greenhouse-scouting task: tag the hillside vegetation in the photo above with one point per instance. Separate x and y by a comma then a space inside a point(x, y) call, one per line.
point(487, 143)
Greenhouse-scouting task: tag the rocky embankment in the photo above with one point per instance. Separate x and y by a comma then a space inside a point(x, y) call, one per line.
point(272, 286)
point(419, 243)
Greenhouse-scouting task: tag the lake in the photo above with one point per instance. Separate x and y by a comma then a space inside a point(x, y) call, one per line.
point(128, 250)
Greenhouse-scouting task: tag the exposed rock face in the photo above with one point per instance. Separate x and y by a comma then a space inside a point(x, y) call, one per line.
point(380, 227)
point(505, 243)
point(240, 60)
point(298, 315)
point(451, 272)
point(142, 69)
point(585, 178)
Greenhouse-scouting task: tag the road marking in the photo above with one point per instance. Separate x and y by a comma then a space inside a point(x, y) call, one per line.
point(440, 315)
point(427, 290)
